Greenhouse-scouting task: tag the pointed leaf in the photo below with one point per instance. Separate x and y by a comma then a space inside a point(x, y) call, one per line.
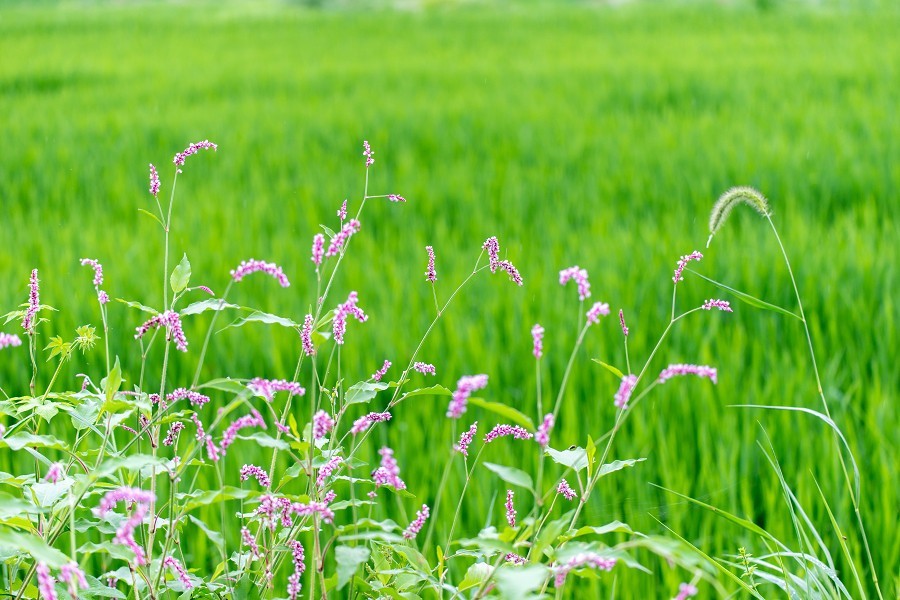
point(747, 298)
point(151, 215)
point(181, 275)
point(574, 458)
point(204, 305)
point(618, 465)
point(349, 558)
point(511, 475)
point(609, 368)
point(261, 317)
point(363, 392)
point(505, 411)
point(138, 306)
point(113, 381)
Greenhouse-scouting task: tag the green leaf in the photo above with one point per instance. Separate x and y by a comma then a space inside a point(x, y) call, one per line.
point(511, 475)
point(15, 541)
point(520, 582)
point(133, 463)
point(363, 392)
point(205, 498)
point(265, 440)
point(477, 574)
point(152, 216)
point(204, 305)
point(435, 390)
point(261, 317)
point(47, 494)
point(22, 439)
point(549, 534)
point(113, 381)
point(574, 458)
point(349, 558)
point(610, 368)
point(618, 465)
point(751, 300)
point(138, 306)
point(10, 506)
point(591, 451)
point(613, 527)
point(505, 411)
point(225, 384)
point(214, 536)
point(181, 275)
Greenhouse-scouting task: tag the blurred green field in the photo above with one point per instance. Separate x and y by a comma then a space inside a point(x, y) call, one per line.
point(581, 135)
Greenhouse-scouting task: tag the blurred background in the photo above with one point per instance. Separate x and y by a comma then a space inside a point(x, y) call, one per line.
point(588, 133)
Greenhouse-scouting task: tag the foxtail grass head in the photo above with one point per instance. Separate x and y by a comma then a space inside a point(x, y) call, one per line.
point(727, 201)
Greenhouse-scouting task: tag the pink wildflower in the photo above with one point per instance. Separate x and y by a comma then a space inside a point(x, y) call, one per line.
point(679, 369)
point(511, 270)
point(581, 279)
point(125, 532)
point(253, 266)
point(510, 509)
point(425, 368)
point(34, 302)
point(465, 439)
point(396, 198)
point(212, 450)
point(306, 336)
point(416, 526)
point(685, 591)
point(596, 311)
point(266, 388)
point(542, 437)
point(322, 424)
point(341, 237)
point(327, 470)
point(248, 471)
point(204, 288)
point(537, 336)
point(624, 392)
point(9, 340)
point(339, 323)
point(364, 422)
point(503, 430)
point(54, 473)
point(464, 388)
point(282, 427)
point(102, 297)
point(154, 181)
point(252, 420)
point(98, 270)
point(368, 153)
point(682, 263)
point(389, 472)
point(583, 559)
point(430, 274)
point(565, 490)
point(313, 508)
point(298, 557)
point(178, 568)
point(193, 149)
point(172, 322)
point(201, 435)
point(622, 323)
point(46, 583)
point(382, 371)
point(342, 211)
point(493, 249)
point(722, 305)
point(195, 398)
point(515, 559)
point(249, 541)
point(329, 497)
point(172, 434)
point(73, 576)
point(318, 249)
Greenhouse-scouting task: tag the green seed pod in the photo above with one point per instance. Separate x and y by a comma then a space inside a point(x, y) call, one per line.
point(729, 200)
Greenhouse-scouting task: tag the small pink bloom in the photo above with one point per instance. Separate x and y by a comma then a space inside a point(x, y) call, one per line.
point(342, 211)
point(537, 336)
point(492, 246)
point(172, 322)
point(679, 369)
point(98, 270)
point(565, 490)
point(298, 557)
point(341, 237)
point(46, 583)
point(584, 559)
point(9, 340)
point(382, 371)
point(622, 323)
point(464, 388)
point(720, 304)
point(172, 563)
point(425, 368)
point(581, 279)
point(624, 393)
point(254, 266)
point(266, 388)
point(542, 437)
point(682, 263)
point(73, 576)
point(193, 149)
point(327, 470)
point(249, 541)
point(306, 336)
point(596, 311)
point(430, 274)
point(685, 591)
point(172, 434)
point(503, 430)
point(389, 472)
point(318, 249)
point(322, 424)
point(510, 509)
point(195, 398)
point(339, 322)
point(248, 471)
point(515, 559)
point(34, 302)
point(55, 472)
point(396, 198)
point(364, 422)
point(416, 526)
point(154, 181)
point(465, 439)
point(368, 153)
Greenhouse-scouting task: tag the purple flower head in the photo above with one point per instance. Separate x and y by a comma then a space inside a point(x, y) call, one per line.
point(389, 472)
point(201, 435)
point(266, 388)
point(154, 181)
point(313, 508)
point(172, 563)
point(425, 368)
point(204, 288)
point(98, 270)
point(503, 430)
point(322, 424)
point(416, 526)
point(492, 246)
point(172, 434)
point(465, 439)
point(193, 149)
point(248, 471)
point(622, 323)
point(342, 211)
point(298, 557)
point(396, 198)
point(581, 279)
point(211, 449)
point(584, 559)
point(685, 591)
point(430, 274)
point(9, 340)
point(565, 490)
point(55, 472)
point(329, 497)
point(511, 270)
point(102, 297)
point(318, 249)
point(248, 540)
point(510, 509)
point(328, 469)
point(682, 263)
point(339, 323)
point(364, 422)
point(368, 153)
point(515, 559)
point(340, 238)
point(596, 311)
point(537, 336)
point(624, 392)
point(34, 302)
point(251, 420)
point(252, 266)
point(306, 336)
point(464, 388)
point(74, 579)
point(282, 427)
point(125, 533)
point(195, 398)
point(381, 372)
point(46, 583)
point(698, 370)
point(172, 322)
point(720, 304)
point(542, 437)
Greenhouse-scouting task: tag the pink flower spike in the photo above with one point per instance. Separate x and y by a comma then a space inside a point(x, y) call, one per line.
point(9, 340)
point(204, 288)
point(464, 388)
point(581, 279)
point(382, 371)
point(679, 369)
point(172, 434)
point(306, 336)
point(201, 435)
point(34, 302)
point(172, 563)
point(253, 266)
point(249, 541)
point(341, 237)
point(252, 420)
point(720, 304)
point(624, 392)
point(54, 473)
point(682, 263)
point(195, 398)
point(327, 470)
point(425, 368)
point(154, 181)
point(503, 430)
point(98, 270)
point(46, 583)
point(416, 526)
point(622, 323)
point(685, 591)
point(318, 249)
point(74, 577)
point(515, 559)
point(364, 422)
point(492, 246)
point(125, 532)
point(465, 439)
point(267, 388)
point(342, 211)
point(172, 322)
point(511, 270)
point(322, 424)
point(510, 509)
point(212, 450)
point(537, 336)
point(389, 472)
point(193, 149)
point(584, 559)
point(339, 322)
point(565, 490)
point(596, 311)
point(542, 437)
point(368, 153)
point(102, 297)
point(430, 274)
point(248, 471)
point(396, 198)
point(298, 557)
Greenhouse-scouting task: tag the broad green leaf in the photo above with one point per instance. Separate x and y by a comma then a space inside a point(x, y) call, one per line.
point(10, 506)
point(618, 465)
point(575, 458)
point(349, 558)
point(477, 574)
point(505, 411)
point(435, 390)
point(214, 536)
point(113, 381)
point(265, 440)
point(181, 275)
point(363, 391)
point(33, 545)
point(609, 368)
point(225, 384)
point(204, 305)
point(47, 494)
point(520, 582)
point(613, 527)
point(138, 306)
point(549, 534)
point(261, 317)
point(511, 475)
point(22, 439)
point(197, 499)
point(751, 300)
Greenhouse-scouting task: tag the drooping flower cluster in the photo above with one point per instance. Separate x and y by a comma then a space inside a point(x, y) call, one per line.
point(622, 323)
point(492, 246)
point(515, 559)
point(465, 439)
point(195, 398)
point(722, 305)
point(382, 371)
point(396, 198)
point(565, 490)
point(313, 508)
point(298, 557)
point(34, 302)
point(389, 472)
point(537, 337)
point(685, 591)
point(173, 563)
point(318, 249)
point(328, 469)
point(679, 369)
point(596, 311)
point(340, 238)
point(322, 424)
point(503, 430)
point(55, 472)
point(365, 421)
point(125, 532)
point(583, 559)
point(46, 582)
point(542, 437)
point(581, 279)
point(416, 526)
point(425, 368)
point(98, 270)
point(430, 273)
point(510, 509)
point(254, 266)
point(172, 434)
point(624, 393)
point(342, 211)
point(339, 324)
point(9, 340)
point(154, 181)
point(306, 336)
point(248, 471)
point(201, 434)
point(248, 540)
point(464, 388)
point(368, 153)
point(682, 263)
point(74, 578)
point(252, 420)
point(172, 322)
point(193, 149)
point(266, 388)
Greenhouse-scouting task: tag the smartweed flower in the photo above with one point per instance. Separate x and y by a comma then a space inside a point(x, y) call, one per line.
point(503, 430)
point(253, 266)
point(583, 559)
point(510, 509)
point(34, 302)
point(515, 559)
point(172, 563)
point(396, 198)
point(581, 279)
point(464, 388)
point(318, 249)
point(368, 153)
point(313, 508)
point(172, 322)
point(172, 434)
point(685, 591)
point(249, 541)
point(306, 336)
point(252, 420)
point(204, 288)
point(537, 336)
point(679, 369)
point(125, 532)
point(102, 297)
point(154, 181)
point(425, 368)
point(298, 557)
point(364, 422)
point(339, 323)
point(542, 437)
point(492, 246)
point(193, 149)
point(266, 388)
point(682, 263)
point(596, 311)
point(55, 472)
point(46, 582)
point(389, 472)
point(328, 469)
point(565, 490)
point(382, 371)
point(416, 526)
point(248, 471)
point(624, 393)
point(465, 439)
point(74, 579)
point(622, 323)
point(322, 424)
point(212, 450)
point(720, 304)
point(505, 265)
point(9, 340)
point(430, 274)
point(340, 238)
point(98, 270)
point(201, 434)
point(342, 211)
point(195, 398)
